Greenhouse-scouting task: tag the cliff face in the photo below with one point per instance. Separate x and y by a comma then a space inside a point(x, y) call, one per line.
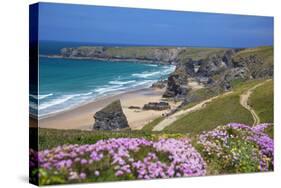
point(214, 67)
point(157, 55)
point(219, 68)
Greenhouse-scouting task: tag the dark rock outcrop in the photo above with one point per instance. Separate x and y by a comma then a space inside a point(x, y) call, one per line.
point(160, 84)
point(134, 107)
point(216, 63)
point(177, 83)
point(111, 118)
point(258, 67)
point(157, 106)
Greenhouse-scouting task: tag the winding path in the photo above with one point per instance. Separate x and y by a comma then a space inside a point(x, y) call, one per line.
point(244, 97)
point(172, 118)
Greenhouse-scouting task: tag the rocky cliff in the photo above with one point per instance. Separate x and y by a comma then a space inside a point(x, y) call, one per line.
point(213, 67)
point(151, 54)
point(219, 68)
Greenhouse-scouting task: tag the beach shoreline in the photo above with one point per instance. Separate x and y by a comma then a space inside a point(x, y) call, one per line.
point(81, 117)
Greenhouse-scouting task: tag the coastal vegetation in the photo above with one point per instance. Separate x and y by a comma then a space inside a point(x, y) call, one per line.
point(224, 124)
point(222, 110)
point(262, 102)
point(231, 148)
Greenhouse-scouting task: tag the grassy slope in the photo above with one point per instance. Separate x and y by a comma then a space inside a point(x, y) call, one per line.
point(198, 53)
point(150, 125)
point(52, 137)
point(263, 53)
point(198, 96)
point(223, 110)
point(266, 53)
point(145, 52)
point(261, 101)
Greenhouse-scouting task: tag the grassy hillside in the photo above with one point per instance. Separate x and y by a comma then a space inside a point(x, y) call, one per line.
point(220, 111)
point(259, 61)
point(50, 138)
point(198, 53)
point(223, 110)
point(261, 101)
point(150, 125)
point(265, 53)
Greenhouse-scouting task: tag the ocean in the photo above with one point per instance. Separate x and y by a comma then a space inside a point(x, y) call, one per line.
point(68, 83)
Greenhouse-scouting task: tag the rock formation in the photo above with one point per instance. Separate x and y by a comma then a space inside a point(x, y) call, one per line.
point(160, 84)
point(151, 54)
point(177, 83)
point(214, 67)
point(111, 118)
point(134, 107)
point(156, 106)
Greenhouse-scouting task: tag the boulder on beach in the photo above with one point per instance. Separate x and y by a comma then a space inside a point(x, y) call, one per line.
point(134, 107)
point(157, 106)
point(111, 117)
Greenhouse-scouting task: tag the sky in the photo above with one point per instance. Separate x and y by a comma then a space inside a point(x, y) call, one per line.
point(148, 27)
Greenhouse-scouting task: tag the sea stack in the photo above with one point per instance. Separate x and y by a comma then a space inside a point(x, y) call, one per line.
point(111, 117)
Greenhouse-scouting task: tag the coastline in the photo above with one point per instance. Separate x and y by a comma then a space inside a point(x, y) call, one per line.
point(81, 117)
point(131, 60)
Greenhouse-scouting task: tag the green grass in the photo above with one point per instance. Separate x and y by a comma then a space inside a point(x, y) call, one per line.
point(223, 110)
point(198, 96)
point(150, 125)
point(50, 138)
point(220, 111)
point(264, 52)
point(195, 122)
point(227, 109)
point(240, 86)
point(198, 53)
point(261, 101)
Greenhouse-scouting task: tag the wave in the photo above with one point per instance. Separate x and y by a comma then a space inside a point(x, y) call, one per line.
point(61, 100)
point(33, 105)
point(146, 74)
point(55, 102)
point(84, 94)
point(108, 88)
point(113, 88)
point(122, 82)
point(165, 70)
point(144, 83)
point(151, 65)
point(41, 96)
point(168, 69)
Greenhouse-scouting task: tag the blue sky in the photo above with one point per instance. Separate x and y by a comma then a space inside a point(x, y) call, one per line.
point(127, 26)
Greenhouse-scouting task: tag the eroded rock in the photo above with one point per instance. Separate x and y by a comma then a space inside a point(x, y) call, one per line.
point(111, 118)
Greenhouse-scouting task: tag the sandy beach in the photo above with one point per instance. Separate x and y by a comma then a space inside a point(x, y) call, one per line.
point(82, 117)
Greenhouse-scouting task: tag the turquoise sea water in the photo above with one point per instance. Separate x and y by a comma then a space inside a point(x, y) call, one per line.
point(66, 83)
